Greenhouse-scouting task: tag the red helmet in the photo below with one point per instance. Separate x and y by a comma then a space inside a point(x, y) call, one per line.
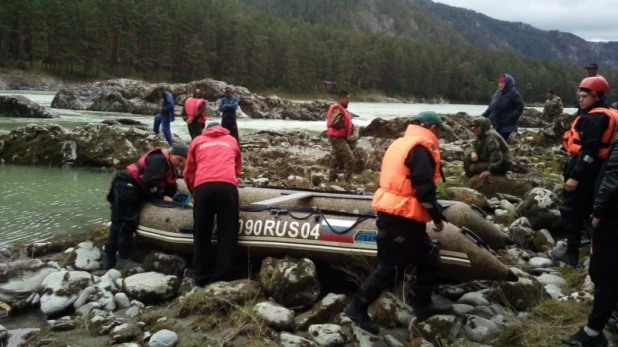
point(596, 84)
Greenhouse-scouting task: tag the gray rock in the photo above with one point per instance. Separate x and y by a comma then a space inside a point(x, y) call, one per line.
point(362, 338)
point(480, 329)
point(137, 304)
point(540, 262)
point(482, 311)
point(554, 291)
point(22, 278)
point(61, 289)
point(108, 280)
point(22, 107)
point(328, 335)
point(322, 311)
point(151, 287)
point(125, 333)
point(521, 295)
point(106, 300)
point(551, 279)
point(163, 338)
point(436, 328)
point(275, 316)
point(4, 334)
point(67, 99)
point(540, 206)
point(474, 299)
point(165, 263)
point(62, 324)
point(462, 309)
point(84, 310)
point(392, 342)
point(390, 311)
point(133, 312)
point(84, 297)
point(290, 340)
point(121, 300)
point(451, 292)
point(290, 282)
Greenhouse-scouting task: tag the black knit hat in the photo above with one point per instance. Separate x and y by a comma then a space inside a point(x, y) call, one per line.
point(180, 150)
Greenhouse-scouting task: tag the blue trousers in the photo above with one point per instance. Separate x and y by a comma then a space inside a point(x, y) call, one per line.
point(164, 123)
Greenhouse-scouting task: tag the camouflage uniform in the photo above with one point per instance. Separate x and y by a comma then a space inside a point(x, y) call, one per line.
point(553, 108)
point(340, 151)
point(492, 151)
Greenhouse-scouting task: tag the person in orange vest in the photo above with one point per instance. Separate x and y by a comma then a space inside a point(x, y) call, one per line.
point(338, 128)
point(152, 177)
point(195, 114)
point(405, 202)
point(588, 142)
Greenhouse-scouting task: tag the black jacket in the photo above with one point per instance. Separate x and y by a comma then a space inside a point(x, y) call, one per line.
point(606, 197)
point(586, 165)
point(156, 167)
point(505, 108)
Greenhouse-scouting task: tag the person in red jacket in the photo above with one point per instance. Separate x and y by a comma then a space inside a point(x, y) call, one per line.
point(211, 174)
point(195, 114)
point(339, 128)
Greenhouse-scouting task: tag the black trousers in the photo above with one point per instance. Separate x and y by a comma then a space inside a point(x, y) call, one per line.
point(126, 199)
point(402, 242)
point(576, 207)
point(603, 274)
point(214, 199)
point(505, 135)
point(230, 124)
point(195, 129)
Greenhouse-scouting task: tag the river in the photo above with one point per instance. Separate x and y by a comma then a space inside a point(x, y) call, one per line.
point(40, 202)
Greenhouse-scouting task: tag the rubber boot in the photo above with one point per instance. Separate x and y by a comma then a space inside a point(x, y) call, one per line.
point(356, 310)
point(425, 310)
point(582, 339)
point(126, 264)
point(109, 262)
point(567, 258)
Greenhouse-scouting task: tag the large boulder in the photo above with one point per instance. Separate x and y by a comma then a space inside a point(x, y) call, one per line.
point(467, 195)
point(67, 99)
point(494, 185)
point(541, 207)
point(111, 102)
point(460, 124)
point(531, 118)
point(322, 311)
point(169, 264)
point(389, 311)
point(522, 295)
point(436, 328)
point(20, 279)
point(292, 283)
point(220, 295)
point(151, 287)
point(97, 145)
point(61, 289)
point(85, 256)
point(22, 107)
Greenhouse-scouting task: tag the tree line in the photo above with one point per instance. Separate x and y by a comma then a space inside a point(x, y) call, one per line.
point(230, 40)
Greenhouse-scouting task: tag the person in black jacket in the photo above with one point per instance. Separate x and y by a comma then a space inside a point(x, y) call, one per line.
point(505, 108)
point(152, 177)
point(588, 142)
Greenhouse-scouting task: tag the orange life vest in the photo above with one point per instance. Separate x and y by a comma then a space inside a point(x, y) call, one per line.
point(192, 106)
point(344, 131)
point(572, 141)
point(395, 195)
point(138, 168)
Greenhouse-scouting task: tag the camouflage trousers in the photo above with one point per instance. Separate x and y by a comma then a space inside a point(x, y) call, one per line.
point(341, 152)
point(477, 168)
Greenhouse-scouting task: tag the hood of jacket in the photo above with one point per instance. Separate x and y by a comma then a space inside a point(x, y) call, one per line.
point(484, 123)
point(216, 131)
point(509, 83)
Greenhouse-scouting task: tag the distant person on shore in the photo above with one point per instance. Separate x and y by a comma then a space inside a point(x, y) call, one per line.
point(152, 177)
point(491, 155)
point(339, 128)
point(553, 106)
point(213, 166)
point(592, 69)
point(588, 143)
point(505, 108)
point(405, 202)
point(166, 115)
point(228, 106)
point(195, 114)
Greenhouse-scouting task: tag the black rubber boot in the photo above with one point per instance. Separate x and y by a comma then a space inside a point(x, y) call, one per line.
point(426, 310)
point(582, 339)
point(127, 264)
point(567, 258)
point(109, 262)
point(357, 312)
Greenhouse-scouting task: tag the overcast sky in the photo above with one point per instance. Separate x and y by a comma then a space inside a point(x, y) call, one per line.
point(595, 20)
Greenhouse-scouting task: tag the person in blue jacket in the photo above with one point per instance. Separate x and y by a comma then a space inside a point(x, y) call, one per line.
point(505, 108)
point(227, 106)
point(166, 115)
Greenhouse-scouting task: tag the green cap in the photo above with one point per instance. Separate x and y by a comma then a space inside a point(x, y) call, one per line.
point(431, 118)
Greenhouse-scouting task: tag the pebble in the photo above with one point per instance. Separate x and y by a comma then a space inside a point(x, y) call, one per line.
point(473, 299)
point(551, 279)
point(163, 338)
point(540, 262)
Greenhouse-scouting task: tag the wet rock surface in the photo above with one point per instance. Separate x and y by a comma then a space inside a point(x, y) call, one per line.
point(293, 283)
point(22, 107)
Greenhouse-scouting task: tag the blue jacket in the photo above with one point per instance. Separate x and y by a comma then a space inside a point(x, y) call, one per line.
point(505, 107)
point(227, 107)
point(168, 106)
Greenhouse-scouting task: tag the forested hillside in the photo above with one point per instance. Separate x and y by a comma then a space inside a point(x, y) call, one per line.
point(232, 40)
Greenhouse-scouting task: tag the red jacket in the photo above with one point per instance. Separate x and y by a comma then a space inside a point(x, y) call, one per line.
point(214, 156)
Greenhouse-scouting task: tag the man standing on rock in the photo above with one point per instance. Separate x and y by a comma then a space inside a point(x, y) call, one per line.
point(588, 142)
point(227, 106)
point(152, 177)
point(405, 202)
point(505, 108)
point(194, 114)
point(166, 115)
point(339, 128)
point(213, 166)
point(553, 106)
point(491, 154)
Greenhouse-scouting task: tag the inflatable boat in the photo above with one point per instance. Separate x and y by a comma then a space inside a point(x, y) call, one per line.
point(337, 227)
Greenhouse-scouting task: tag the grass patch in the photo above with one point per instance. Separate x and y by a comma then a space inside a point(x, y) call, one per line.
point(574, 278)
point(549, 322)
point(441, 190)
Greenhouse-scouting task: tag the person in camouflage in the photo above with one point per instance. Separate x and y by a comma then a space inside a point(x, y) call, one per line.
point(491, 153)
point(553, 106)
point(339, 129)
